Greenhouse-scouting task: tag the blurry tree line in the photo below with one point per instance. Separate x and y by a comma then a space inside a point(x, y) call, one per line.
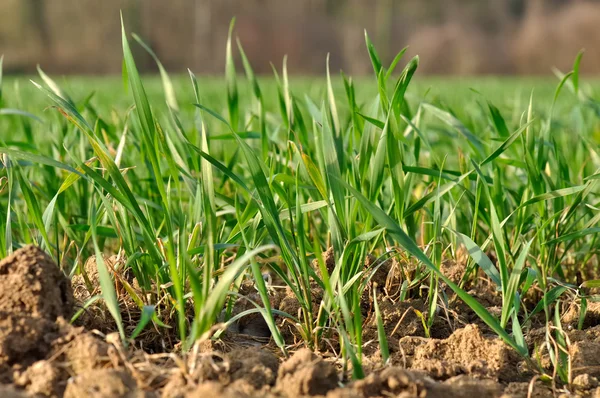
point(451, 36)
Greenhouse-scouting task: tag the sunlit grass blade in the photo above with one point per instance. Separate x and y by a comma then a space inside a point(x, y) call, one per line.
point(480, 258)
point(147, 314)
point(373, 55)
point(34, 209)
point(383, 344)
point(18, 112)
point(54, 87)
point(513, 284)
point(504, 146)
point(230, 78)
point(106, 283)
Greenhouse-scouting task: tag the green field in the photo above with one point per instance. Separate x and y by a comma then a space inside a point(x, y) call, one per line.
point(203, 183)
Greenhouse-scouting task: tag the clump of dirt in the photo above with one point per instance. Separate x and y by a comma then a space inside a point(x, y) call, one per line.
point(290, 305)
point(585, 382)
point(306, 374)
point(382, 271)
point(43, 378)
point(528, 390)
point(7, 391)
point(572, 314)
point(453, 270)
point(23, 340)
point(257, 367)
point(394, 381)
point(33, 293)
point(32, 284)
point(90, 279)
point(213, 389)
point(382, 275)
point(96, 316)
point(251, 370)
point(399, 319)
point(253, 325)
point(328, 259)
point(467, 351)
point(78, 350)
point(39, 350)
point(584, 352)
point(465, 386)
point(104, 383)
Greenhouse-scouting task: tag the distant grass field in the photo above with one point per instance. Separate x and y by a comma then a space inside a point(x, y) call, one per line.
point(208, 181)
point(506, 92)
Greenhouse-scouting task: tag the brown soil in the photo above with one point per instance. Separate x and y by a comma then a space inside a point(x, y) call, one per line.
point(467, 351)
point(42, 355)
point(32, 284)
point(104, 383)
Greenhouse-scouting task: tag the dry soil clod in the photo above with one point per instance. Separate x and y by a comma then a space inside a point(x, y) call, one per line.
point(32, 284)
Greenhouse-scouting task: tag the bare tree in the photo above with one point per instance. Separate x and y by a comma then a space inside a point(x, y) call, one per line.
point(203, 41)
point(37, 11)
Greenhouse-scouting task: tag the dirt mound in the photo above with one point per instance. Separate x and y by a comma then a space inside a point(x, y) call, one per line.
point(212, 389)
point(79, 350)
point(329, 260)
point(244, 371)
point(399, 382)
point(23, 340)
point(306, 374)
point(256, 366)
point(105, 383)
point(63, 352)
point(39, 349)
point(467, 351)
point(399, 319)
point(31, 283)
point(43, 378)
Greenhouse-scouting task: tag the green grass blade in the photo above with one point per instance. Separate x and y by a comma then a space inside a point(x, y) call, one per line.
point(106, 283)
point(504, 146)
point(230, 78)
point(383, 344)
point(373, 55)
point(410, 246)
point(479, 257)
point(146, 317)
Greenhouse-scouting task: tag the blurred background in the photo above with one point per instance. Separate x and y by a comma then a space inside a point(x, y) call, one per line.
point(461, 37)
